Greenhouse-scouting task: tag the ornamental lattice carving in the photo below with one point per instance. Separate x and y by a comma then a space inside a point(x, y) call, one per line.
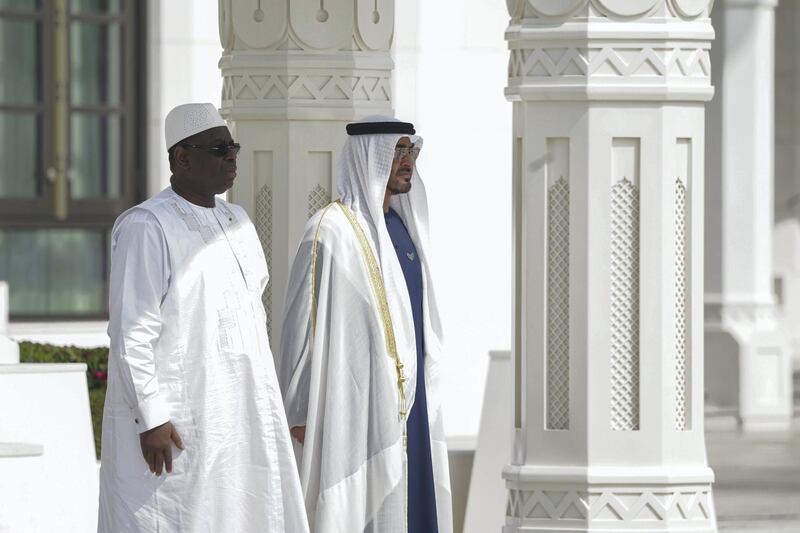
point(642, 507)
point(264, 230)
point(610, 62)
point(318, 197)
point(558, 306)
point(681, 308)
point(373, 87)
point(625, 306)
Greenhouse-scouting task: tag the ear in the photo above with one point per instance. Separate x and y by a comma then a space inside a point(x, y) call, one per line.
point(182, 158)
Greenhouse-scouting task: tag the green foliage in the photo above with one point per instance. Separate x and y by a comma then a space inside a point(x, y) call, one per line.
point(96, 360)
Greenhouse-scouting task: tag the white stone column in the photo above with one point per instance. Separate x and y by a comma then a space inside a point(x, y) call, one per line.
point(748, 365)
point(609, 107)
point(294, 74)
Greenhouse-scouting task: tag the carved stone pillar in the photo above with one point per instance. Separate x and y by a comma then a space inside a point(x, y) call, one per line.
point(294, 73)
point(608, 142)
point(748, 362)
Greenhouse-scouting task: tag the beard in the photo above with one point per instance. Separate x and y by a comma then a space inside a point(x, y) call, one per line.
point(398, 185)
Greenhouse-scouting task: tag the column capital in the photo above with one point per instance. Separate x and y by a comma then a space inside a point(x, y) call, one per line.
point(306, 25)
point(626, 10)
point(306, 59)
point(641, 50)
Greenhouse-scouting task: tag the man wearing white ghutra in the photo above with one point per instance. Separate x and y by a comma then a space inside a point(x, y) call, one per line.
point(361, 347)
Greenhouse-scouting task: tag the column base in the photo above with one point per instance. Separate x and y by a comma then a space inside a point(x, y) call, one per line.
point(766, 423)
point(608, 499)
point(748, 366)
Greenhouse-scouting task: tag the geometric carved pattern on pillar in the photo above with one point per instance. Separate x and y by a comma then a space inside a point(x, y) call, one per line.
point(610, 62)
point(264, 230)
point(558, 305)
point(613, 507)
point(625, 306)
point(631, 68)
point(681, 310)
point(318, 197)
point(302, 88)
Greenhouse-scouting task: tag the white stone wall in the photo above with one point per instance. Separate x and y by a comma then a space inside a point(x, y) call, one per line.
point(450, 71)
point(183, 52)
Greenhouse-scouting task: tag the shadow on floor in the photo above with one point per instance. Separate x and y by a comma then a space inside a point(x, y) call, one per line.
point(757, 488)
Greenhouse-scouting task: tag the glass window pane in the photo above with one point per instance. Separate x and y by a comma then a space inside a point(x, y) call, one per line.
point(19, 4)
point(76, 273)
point(19, 155)
point(23, 264)
point(54, 271)
point(95, 63)
point(19, 61)
point(102, 6)
point(96, 145)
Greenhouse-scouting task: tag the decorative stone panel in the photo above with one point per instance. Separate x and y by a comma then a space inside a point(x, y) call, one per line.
point(558, 306)
point(681, 308)
point(625, 306)
point(264, 230)
point(318, 197)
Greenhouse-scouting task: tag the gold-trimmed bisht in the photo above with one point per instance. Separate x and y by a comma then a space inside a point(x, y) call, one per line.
point(379, 291)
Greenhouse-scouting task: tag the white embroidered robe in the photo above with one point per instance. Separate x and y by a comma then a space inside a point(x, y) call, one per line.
point(189, 344)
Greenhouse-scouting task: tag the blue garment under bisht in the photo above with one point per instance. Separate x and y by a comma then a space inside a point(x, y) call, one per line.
point(421, 495)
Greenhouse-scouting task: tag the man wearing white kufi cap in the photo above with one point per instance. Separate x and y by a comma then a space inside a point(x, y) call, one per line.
point(360, 347)
point(194, 433)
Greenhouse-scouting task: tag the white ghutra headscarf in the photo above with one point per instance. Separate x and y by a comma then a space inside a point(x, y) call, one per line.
point(364, 167)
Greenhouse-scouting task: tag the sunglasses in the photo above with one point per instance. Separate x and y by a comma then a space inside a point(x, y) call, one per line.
point(401, 151)
point(219, 150)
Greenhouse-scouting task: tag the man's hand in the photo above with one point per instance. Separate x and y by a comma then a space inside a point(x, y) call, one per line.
point(157, 447)
point(299, 433)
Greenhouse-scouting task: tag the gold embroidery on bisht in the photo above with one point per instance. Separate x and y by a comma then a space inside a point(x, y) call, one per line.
point(376, 281)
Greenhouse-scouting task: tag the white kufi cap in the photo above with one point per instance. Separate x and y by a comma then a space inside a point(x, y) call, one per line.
point(188, 119)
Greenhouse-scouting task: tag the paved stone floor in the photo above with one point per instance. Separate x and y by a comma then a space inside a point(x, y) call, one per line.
point(757, 487)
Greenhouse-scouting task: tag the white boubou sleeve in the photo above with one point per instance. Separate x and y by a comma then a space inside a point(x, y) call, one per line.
point(140, 276)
